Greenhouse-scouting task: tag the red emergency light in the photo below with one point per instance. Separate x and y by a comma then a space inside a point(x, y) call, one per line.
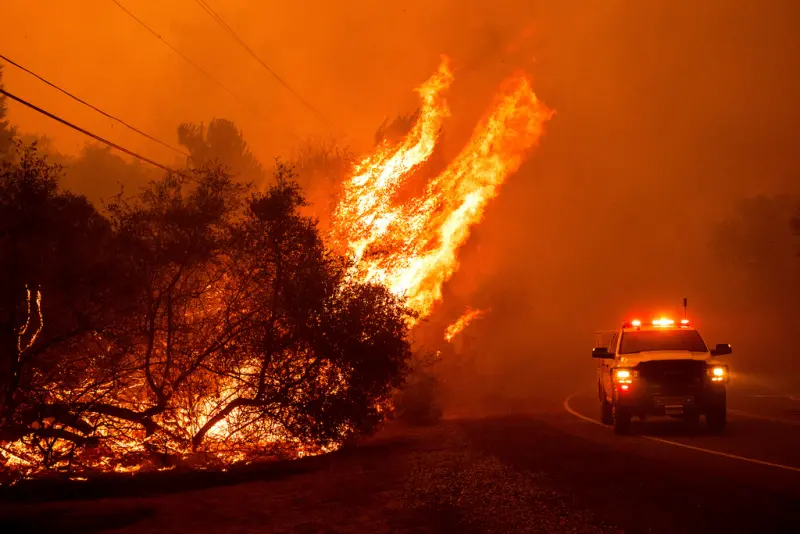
point(663, 321)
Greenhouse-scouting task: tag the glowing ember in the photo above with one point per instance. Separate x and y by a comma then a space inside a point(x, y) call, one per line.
point(24, 330)
point(461, 323)
point(411, 246)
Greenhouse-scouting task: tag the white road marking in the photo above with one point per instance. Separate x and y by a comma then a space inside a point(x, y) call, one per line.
point(683, 445)
point(579, 415)
point(791, 397)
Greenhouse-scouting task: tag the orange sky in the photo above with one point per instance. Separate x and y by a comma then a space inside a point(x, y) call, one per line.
point(668, 112)
point(725, 70)
point(356, 62)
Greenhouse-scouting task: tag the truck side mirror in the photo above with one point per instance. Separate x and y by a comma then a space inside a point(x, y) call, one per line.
point(721, 349)
point(601, 353)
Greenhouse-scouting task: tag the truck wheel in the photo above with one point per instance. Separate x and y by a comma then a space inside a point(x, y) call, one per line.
point(717, 419)
point(622, 421)
point(606, 413)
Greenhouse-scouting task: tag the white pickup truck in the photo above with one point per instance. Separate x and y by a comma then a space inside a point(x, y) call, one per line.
point(661, 368)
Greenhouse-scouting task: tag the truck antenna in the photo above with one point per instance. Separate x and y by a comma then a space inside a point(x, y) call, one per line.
point(685, 304)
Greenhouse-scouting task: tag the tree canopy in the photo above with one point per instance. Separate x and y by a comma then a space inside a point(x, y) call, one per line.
point(221, 143)
point(196, 317)
point(757, 253)
point(7, 132)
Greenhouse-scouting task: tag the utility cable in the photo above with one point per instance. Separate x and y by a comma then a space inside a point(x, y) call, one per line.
point(90, 134)
point(219, 20)
point(4, 58)
point(195, 65)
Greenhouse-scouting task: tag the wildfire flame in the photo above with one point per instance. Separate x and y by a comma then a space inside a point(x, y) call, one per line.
point(461, 323)
point(411, 247)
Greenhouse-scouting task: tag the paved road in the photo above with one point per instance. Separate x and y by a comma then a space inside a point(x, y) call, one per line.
point(534, 465)
point(664, 477)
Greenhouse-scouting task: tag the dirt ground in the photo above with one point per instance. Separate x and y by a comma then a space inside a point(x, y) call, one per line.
point(404, 480)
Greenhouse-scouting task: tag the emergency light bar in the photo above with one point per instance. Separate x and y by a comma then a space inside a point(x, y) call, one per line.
point(663, 321)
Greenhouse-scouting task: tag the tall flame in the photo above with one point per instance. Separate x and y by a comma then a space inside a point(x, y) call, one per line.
point(461, 323)
point(366, 211)
point(411, 247)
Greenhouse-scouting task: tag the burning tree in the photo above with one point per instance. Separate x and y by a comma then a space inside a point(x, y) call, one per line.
point(190, 312)
point(62, 288)
point(222, 143)
point(202, 319)
point(195, 318)
point(322, 352)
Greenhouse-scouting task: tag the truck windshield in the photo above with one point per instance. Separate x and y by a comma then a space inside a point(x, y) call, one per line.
point(656, 340)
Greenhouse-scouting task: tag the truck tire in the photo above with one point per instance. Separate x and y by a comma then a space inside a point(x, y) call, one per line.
point(717, 414)
point(606, 413)
point(717, 419)
point(622, 421)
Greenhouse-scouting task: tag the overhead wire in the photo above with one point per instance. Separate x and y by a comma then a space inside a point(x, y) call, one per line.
point(98, 110)
point(92, 135)
point(193, 64)
point(230, 31)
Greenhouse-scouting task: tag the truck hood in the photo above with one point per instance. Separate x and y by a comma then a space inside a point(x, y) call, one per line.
point(631, 360)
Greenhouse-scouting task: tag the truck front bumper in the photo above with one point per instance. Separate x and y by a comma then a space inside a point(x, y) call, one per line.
point(675, 401)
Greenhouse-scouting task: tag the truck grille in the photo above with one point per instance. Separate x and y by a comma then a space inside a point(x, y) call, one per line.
point(672, 374)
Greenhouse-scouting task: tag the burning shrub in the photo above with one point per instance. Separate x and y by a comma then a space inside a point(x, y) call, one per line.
point(419, 402)
point(193, 319)
point(322, 352)
point(62, 288)
point(197, 323)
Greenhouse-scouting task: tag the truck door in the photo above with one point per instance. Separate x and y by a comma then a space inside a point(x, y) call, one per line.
point(607, 365)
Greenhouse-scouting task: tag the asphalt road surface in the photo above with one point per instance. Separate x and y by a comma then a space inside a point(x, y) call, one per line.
point(520, 465)
point(664, 477)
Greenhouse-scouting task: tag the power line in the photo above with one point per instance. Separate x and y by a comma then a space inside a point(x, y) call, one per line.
point(90, 134)
point(219, 20)
point(193, 64)
point(93, 107)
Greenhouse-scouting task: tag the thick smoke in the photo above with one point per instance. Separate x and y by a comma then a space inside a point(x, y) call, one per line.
point(670, 115)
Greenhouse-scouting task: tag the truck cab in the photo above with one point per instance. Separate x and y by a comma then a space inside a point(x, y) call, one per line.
point(663, 368)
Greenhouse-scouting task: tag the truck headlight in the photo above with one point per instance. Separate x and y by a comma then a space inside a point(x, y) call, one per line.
point(718, 373)
point(624, 376)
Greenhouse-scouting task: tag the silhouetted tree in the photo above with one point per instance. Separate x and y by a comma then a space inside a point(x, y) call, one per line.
point(419, 401)
point(221, 143)
point(100, 173)
point(62, 287)
point(191, 318)
point(324, 352)
point(7, 132)
point(757, 242)
point(321, 167)
point(178, 239)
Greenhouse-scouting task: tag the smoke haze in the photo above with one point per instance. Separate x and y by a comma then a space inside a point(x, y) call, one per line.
point(669, 114)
